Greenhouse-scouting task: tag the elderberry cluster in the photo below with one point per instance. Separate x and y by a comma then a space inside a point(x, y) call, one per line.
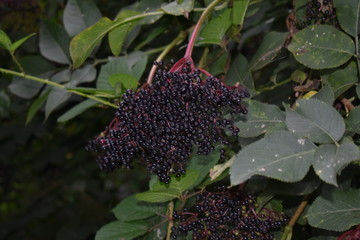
point(160, 124)
point(319, 12)
point(226, 214)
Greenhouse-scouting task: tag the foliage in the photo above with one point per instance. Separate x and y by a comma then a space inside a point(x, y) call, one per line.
point(298, 146)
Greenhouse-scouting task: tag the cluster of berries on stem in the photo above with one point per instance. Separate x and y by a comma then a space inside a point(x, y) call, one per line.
point(319, 12)
point(226, 214)
point(160, 124)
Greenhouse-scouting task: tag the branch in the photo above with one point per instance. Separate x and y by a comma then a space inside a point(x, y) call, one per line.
point(171, 222)
point(54, 84)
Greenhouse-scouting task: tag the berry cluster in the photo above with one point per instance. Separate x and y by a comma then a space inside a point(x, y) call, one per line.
point(319, 12)
point(226, 214)
point(161, 123)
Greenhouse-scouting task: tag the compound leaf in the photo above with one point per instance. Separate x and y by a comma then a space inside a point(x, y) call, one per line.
point(122, 230)
point(329, 159)
point(321, 46)
point(281, 155)
point(315, 120)
point(326, 211)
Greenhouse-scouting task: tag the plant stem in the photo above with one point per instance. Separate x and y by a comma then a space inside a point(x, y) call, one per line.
point(262, 89)
point(166, 50)
point(54, 84)
point(170, 216)
point(294, 218)
point(17, 62)
point(196, 31)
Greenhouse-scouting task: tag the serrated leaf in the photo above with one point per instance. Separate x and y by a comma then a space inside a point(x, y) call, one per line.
point(5, 41)
point(119, 34)
point(56, 97)
point(315, 120)
point(326, 211)
point(177, 9)
point(268, 50)
point(131, 209)
point(348, 15)
point(239, 11)
point(343, 79)
point(325, 94)
point(127, 81)
point(353, 120)
point(80, 14)
point(35, 106)
point(120, 230)
point(281, 155)
point(163, 193)
point(239, 71)
point(19, 42)
point(321, 46)
point(214, 31)
point(260, 118)
point(84, 43)
point(54, 42)
point(329, 159)
point(76, 110)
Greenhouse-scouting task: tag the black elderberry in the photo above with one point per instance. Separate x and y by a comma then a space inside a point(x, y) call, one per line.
point(161, 124)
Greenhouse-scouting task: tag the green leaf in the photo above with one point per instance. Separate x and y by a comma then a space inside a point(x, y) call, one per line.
point(337, 212)
point(115, 65)
point(56, 97)
point(5, 41)
point(84, 43)
point(127, 81)
point(138, 67)
point(260, 118)
point(321, 46)
point(358, 90)
point(177, 9)
point(19, 42)
point(315, 120)
point(131, 209)
point(239, 11)
point(119, 34)
point(163, 193)
point(202, 164)
point(76, 110)
point(24, 88)
point(281, 155)
point(80, 14)
point(120, 230)
point(343, 79)
point(348, 15)
point(353, 120)
point(54, 42)
point(330, 159)
point(214, 31)
point(239, 72)
point(326, 94)
point(268, 50)
point(82, 75)
point(35, 106)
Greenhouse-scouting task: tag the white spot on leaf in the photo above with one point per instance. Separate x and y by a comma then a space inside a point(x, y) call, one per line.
point(261, 169)
point(280, 170)
point(301, 141)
